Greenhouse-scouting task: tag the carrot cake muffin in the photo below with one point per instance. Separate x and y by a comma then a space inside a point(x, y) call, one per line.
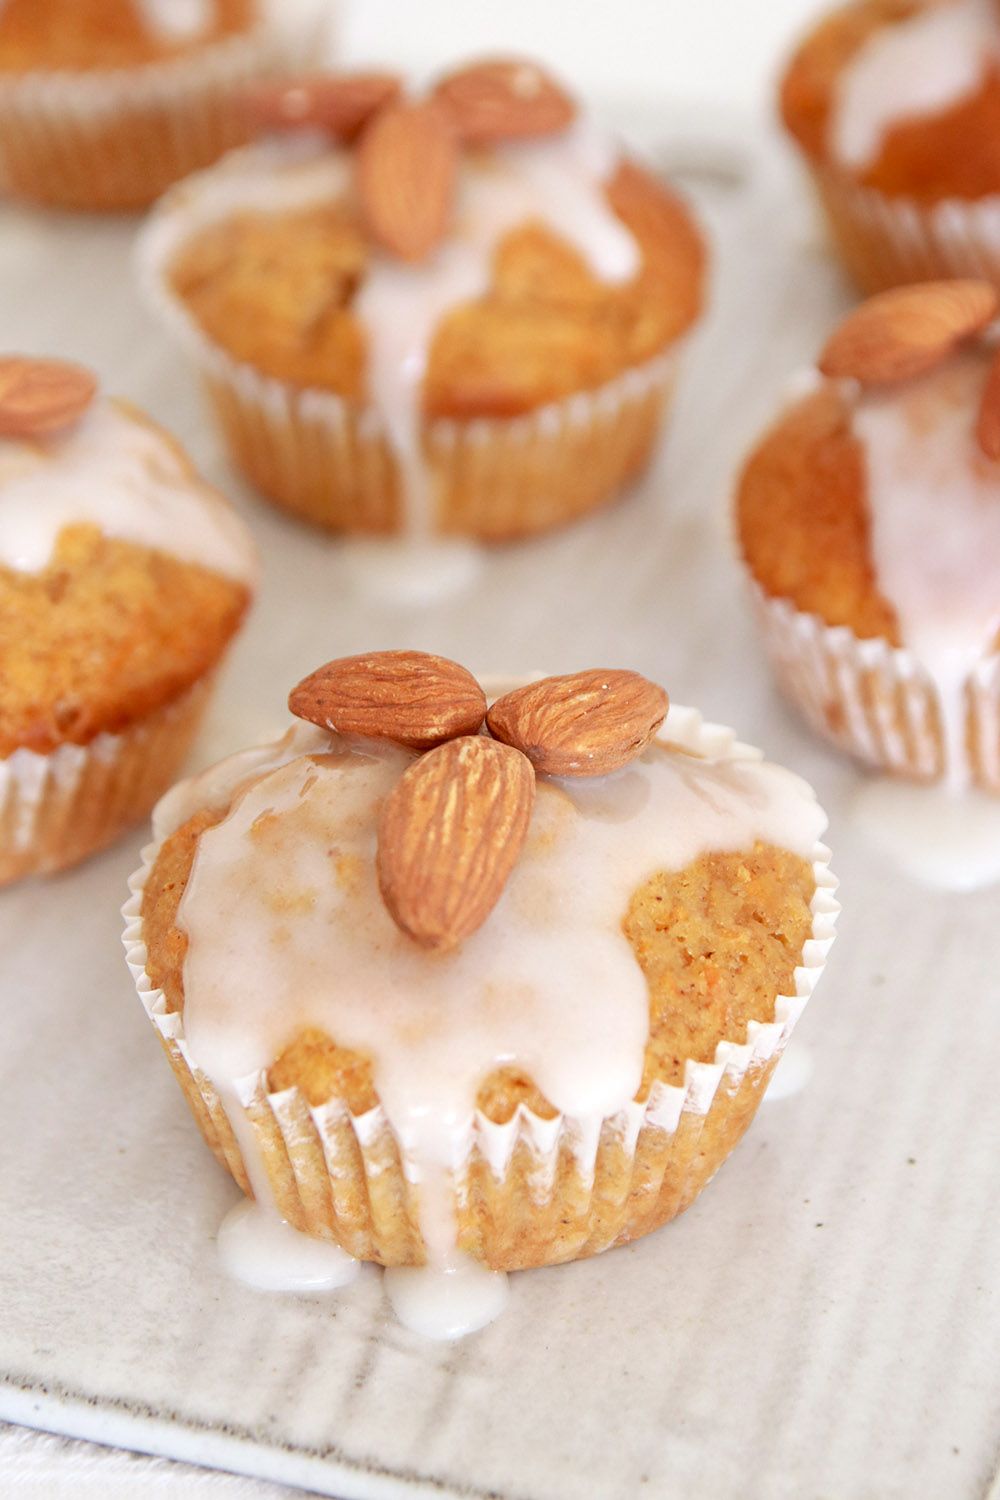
point(104, 103)
point(123, 578)
point(895, 105)
point(869, 518)
point(453, 313)
point(453, 995)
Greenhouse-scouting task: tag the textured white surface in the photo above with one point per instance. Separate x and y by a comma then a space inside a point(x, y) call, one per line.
point(824, 1322)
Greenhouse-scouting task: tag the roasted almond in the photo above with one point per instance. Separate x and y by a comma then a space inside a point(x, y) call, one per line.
point(449, 835)
point(585, 724)
point(407, 166)
point(505, 100)
point(40, 396)
point(988, 421)
point(339, 103)
point(408, 696)
point(906, 331)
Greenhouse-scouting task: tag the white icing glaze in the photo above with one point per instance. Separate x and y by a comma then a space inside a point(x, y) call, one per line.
point(943, 841)
point(259, 1248)
point(914, 68)
point(123, 476)
point(287, 930)
point(178, 20)
point(557, 183)
point(934, 501)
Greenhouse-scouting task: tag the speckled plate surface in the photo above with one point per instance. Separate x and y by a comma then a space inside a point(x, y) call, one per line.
point(824, 1322)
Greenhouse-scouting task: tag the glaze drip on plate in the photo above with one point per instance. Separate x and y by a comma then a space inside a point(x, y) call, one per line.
point(117, 472)
point(934, 503)
point(287, 931)
point(910, 69)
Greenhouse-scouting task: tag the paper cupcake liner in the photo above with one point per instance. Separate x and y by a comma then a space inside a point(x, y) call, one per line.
point(878, 702)
point(328, 461)
point(117, 138)
point(887, 241)
point(529, 1192)
point(57, 809)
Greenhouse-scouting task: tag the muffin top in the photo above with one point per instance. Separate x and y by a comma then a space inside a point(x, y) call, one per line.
point(874, 501)
point(79, 35)
point(476, 252)
point(904, 95)
point(122, 574)
point(542, 310)
point(562, 913)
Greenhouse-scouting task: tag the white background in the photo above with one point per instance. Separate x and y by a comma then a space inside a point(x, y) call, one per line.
point(630, 53)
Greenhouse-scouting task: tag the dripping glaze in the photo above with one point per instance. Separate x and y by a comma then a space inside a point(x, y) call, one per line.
point(934, 505)
point(934, 511)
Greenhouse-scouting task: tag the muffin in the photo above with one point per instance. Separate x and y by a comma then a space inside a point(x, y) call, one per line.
point(105, 103)
point(869, 518)
point(445, 994)
point(123, 578)
point(453, 314)
point(895, 105)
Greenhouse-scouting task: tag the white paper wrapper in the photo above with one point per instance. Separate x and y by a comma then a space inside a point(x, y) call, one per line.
point(117, 138)
point(878, 702)
point(328, 461)
point(57, 809)
point(888, 241)
point(565, 1187)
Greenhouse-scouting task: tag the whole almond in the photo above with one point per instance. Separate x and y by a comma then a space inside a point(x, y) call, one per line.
point(41, 396)
point(410, 697)
point(339, 103)
point(988, 420)
point(907, 331)
point(585, 724)
point(504, 100)
point(449, 835)
point(407, 168)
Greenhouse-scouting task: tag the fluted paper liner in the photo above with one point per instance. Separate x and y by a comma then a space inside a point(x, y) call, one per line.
point(117, 138)
point(887, 241)
point(327, 460)
point(532, 1191)
point(877, 701)
point(57, 809)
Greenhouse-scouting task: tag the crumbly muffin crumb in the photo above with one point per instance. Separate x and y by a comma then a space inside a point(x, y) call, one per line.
point(105, 634)
point(803, 519)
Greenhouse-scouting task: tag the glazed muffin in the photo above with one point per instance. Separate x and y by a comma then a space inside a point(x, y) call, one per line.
point(509, 993)
point(895, 105)
point(123, 578)
point(869, 518)
point(457, 314)
point(105, 103)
